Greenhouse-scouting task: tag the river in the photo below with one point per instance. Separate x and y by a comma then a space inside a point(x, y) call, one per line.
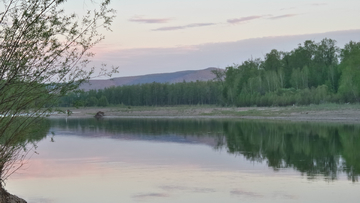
point(199, 160)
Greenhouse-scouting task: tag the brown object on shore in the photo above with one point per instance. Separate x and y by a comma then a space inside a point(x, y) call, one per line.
point(99, 114)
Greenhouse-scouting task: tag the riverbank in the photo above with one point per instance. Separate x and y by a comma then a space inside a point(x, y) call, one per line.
point(323, 112)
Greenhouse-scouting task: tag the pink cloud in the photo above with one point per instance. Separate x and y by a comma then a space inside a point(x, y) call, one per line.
point(169, 28)
point(282, 16)
point(149, 20)
point(184, 27)
point(243, 19)
point(150, 195)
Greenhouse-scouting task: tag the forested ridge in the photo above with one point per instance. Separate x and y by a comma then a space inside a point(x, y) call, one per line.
point(312, 73)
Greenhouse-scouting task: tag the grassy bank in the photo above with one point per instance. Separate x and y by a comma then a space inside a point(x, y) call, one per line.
point(321, 112)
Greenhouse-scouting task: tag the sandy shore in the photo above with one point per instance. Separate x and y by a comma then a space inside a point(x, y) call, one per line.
point(322, 113)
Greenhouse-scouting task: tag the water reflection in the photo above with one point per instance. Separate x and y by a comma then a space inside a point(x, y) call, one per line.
point(312, 149)
point(325, 150)
point(18, 139)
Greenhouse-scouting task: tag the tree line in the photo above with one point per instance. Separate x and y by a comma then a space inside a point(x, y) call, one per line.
point(312, 73)
point(150, 94)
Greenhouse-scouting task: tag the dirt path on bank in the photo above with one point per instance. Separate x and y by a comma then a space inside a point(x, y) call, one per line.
point(323, 113)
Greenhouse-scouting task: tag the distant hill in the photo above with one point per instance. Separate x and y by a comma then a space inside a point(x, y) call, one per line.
point(188, 76)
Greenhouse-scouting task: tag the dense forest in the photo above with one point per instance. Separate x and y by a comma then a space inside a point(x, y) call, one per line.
point(150, 94)
point(312, 73)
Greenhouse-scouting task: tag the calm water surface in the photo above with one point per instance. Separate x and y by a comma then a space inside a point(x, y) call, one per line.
point(122, 160)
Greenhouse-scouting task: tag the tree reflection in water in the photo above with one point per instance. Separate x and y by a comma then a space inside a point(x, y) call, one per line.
point(314, 149)
point(17, 141)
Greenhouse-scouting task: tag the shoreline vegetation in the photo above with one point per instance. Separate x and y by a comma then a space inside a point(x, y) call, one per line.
point(340, 113)
point(44, 53)
point(312, 73)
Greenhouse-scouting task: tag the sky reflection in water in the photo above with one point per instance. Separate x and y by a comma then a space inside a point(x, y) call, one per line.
point(121, 160)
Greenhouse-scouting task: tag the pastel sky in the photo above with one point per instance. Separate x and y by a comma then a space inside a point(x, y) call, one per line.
point(155, 36)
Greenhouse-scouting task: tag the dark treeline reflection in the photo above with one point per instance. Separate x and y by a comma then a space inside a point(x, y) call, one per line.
point(313, 149)
point(143, 126)
point(167, 130)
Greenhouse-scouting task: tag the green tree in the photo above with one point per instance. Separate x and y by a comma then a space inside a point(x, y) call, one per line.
point(273, 61)
point(350, 69)
point(103, 101)
point(299, 78)
point(43, 53)
point(93, 101)
point(326, 61)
